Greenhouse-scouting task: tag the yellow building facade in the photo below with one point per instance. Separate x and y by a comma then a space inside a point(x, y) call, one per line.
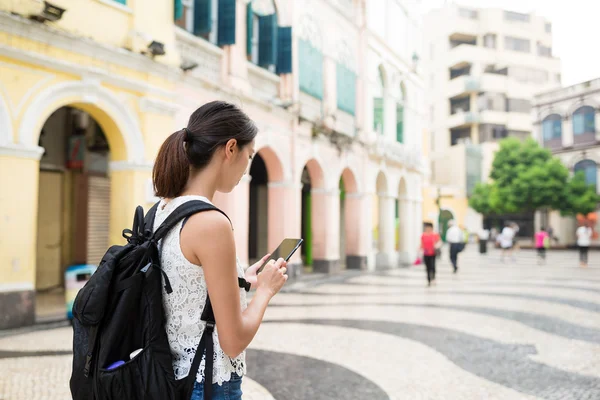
point(79, 84)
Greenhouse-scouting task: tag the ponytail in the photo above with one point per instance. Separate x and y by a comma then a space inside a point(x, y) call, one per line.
point(172, 167)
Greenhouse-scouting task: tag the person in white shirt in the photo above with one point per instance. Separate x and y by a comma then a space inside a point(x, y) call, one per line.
point(506, 240)
point(584, 239)
point(455, 237)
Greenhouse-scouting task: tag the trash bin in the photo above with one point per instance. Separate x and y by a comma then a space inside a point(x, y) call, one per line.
point(76, 276)
point(482, 246)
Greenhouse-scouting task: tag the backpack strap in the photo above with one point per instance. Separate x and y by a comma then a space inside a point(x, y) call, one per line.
point(185, 210)
point(149, 220)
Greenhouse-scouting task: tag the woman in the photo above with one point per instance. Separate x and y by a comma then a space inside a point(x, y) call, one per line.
point(198, 256)
point(541, 243)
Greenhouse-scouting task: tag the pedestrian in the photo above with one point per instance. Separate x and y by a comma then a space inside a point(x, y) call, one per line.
point(455, 237)
point(484, 236)
point(542, 242)
point(584, 239)
point(429, 244)
point(211, 154)
point(506, 241)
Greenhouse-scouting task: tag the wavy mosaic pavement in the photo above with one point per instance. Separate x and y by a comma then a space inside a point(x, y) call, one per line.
point(493, 331)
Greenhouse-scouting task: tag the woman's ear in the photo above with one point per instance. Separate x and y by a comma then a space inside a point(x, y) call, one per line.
point(230, 148)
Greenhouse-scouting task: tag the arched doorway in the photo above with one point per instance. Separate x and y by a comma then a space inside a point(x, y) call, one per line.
point(73, 203)
point(444, 218)
point(349, 211)
point(267, 199)
point(589, 168)
point(311, 179)
point(259, 211)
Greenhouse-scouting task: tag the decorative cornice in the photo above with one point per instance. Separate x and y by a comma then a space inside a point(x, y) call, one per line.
point(21, 151)
point(130, 166)
point(50, 36)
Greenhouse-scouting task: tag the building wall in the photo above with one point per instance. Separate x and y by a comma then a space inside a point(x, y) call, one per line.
point(139, 100)
point(458, 40)
point(573, 145)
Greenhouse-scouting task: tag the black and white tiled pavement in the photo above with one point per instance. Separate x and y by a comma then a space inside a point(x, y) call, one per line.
point(513, 330)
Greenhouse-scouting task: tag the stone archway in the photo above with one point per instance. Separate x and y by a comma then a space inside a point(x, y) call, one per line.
point(6, 127)
point(313, 215)
point(267, 200)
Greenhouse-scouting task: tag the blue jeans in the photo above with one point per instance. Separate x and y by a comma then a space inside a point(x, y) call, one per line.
point(231, 390)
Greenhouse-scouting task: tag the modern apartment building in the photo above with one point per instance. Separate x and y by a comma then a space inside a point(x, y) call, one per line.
point(566, 121)
point(483, 67)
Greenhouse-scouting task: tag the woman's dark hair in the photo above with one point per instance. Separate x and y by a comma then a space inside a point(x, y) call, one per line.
point(209, 128)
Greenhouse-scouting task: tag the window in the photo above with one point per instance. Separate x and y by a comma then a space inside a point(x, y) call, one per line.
point(213, 20)
point(491, 101)
point(455, 72)
point(346, 89)
point(400, 115)
point(528, 75)
point(584, 120)
point(589, 169)
point(514, 16)
point(467, 13)
point(548, 27)
point(311, 69)
point(378, 104)
point(518, 105)
point(491, 69)
point(552, 127)
point(460, 104)
point(544, 51)
point(558, 78)
point(517, 44)
point(458, 136)
point(489, 41)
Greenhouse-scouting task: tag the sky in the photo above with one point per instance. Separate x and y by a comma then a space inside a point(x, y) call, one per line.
point(574, 28)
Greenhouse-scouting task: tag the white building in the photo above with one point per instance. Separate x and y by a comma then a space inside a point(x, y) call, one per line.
point(483, 68)
point(566, 122)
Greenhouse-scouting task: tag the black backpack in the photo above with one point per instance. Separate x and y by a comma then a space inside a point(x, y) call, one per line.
point(120, 310)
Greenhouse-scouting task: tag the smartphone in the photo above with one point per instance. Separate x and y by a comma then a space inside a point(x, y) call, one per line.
point(285, 250)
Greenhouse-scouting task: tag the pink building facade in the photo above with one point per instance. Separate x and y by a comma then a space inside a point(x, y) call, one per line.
point(339, 111)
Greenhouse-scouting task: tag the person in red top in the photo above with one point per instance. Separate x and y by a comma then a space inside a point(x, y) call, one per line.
point(429, 241)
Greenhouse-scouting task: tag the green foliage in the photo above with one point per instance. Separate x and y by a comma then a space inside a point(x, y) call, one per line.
point(581, 197)
point(526, 177)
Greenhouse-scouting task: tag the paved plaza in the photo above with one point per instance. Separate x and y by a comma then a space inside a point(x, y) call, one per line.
point(513, 330)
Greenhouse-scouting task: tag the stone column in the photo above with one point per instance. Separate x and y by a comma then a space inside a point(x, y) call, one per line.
point(130, 186)
point(19, 170)
point(285, 209)
point(358, 230)
point(567, 132)
point(387, 255)
point(237, 205)
point(326, 226)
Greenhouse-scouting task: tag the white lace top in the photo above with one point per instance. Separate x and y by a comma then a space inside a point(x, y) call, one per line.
point(183, 307)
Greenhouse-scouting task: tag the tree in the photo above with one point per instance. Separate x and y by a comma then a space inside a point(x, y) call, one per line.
point(526, 177)
point(581, 197)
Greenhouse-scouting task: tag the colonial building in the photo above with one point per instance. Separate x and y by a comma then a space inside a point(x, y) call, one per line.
point(566, 122)
point(84, 109)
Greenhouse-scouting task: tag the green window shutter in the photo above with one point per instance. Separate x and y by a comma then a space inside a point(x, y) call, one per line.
point(202, 17)
point(346, 89)
point(378, 115)
point(124, 2)
point(249, 23)
point(177, 10)
point(267, 41)
point(311, 69)
point(226, 32)
point(284, 50)
point(400, 123)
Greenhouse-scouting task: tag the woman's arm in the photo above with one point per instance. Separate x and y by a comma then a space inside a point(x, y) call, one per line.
point(207, 240)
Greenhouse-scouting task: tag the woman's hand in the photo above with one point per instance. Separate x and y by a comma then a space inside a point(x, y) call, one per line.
point(250, 274)
point(272, 278)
